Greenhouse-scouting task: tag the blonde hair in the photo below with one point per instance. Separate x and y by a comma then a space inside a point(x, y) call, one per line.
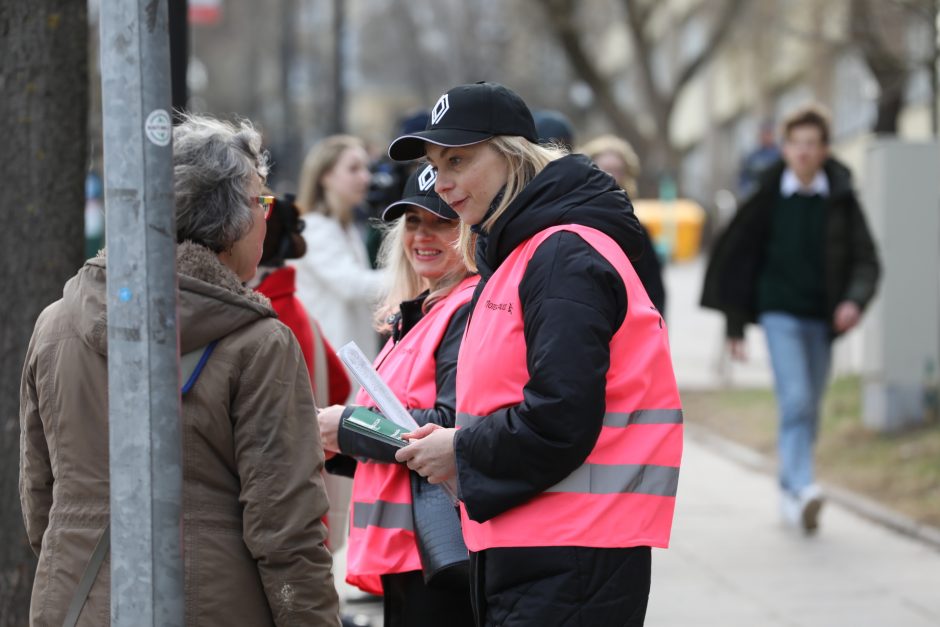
point(624, 151)
point(524, 160)
point(322, 158)
point(402, 282)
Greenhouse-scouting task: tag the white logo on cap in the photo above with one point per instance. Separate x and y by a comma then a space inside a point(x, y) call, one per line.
point(426, 178)
point(442, 107)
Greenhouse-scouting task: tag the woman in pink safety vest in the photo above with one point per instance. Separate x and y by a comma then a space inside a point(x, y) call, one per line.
point(425, 310)
point(568, 439)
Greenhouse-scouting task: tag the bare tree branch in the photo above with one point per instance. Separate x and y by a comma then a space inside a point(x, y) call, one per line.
point(868, 37)
point(923, 9)
point(889, 70)
point(644, 10)
point(560, 14)
point(656, 148)
point(637, 19)
point(409, 27)
point(722, 26)
point(662, 100)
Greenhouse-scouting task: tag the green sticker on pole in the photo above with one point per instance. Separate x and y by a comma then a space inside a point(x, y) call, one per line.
point(158, 127)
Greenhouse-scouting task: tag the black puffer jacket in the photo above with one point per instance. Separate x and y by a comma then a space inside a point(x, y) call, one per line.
point(737, 259)
point(561, 586)
point(573, 301)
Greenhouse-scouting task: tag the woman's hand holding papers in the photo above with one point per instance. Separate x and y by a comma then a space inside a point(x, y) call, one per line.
point(329, 419)
point(431, 452)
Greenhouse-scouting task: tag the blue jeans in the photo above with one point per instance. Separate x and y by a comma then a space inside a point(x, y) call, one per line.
point(800, 352)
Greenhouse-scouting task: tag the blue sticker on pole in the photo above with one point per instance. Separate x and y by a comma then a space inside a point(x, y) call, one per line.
point(124, 294)
point(159, 127)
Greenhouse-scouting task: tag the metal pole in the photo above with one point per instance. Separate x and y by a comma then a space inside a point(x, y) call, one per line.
point(289, 140)
point(179, 53)
point(143, 368)
point(934, 67)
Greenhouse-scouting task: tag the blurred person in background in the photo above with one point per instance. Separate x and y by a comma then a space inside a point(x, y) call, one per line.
point(388, 182)
point(569, 424)
point(425, 310)
point(335, 281)
point(253, 498)
point(553, 127)
point(617, 158)
point(94, 215)
point(277, 281)
point(799, 260)
point(758, 160)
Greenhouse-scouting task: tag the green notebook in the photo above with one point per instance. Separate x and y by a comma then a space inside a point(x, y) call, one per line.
point(376, 426)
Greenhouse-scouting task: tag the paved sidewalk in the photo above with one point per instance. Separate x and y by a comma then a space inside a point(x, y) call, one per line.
point(696, 337)
point(733, 564)
point(357, 607)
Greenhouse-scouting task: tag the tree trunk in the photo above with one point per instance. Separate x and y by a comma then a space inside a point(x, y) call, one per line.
point(662, 159)
point(561, 18)
point(44, 74)
point(889, 112)
point(889, 69)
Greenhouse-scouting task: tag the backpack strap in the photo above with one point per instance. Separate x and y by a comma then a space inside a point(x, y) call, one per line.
point(191, 365)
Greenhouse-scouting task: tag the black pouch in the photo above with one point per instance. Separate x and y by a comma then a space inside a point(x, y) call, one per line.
point(445, 561)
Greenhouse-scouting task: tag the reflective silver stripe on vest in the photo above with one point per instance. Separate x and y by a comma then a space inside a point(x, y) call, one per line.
point(643, 417)
point(619, 479)
point(611, 419)
point(383, 514)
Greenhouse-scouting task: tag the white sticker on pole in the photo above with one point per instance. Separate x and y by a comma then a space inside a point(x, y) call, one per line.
point(158, 127)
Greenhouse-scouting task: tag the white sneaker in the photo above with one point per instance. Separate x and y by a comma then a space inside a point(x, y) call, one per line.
point(810, 502)
point(790, 509)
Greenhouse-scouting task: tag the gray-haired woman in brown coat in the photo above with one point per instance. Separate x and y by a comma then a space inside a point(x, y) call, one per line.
point(252, 493)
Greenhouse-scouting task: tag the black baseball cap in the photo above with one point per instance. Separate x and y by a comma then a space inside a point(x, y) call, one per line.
point(469, 114)
point(553, 126)
point(419, 191)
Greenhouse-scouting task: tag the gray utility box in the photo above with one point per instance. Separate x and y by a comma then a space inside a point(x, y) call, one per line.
point(901, 197)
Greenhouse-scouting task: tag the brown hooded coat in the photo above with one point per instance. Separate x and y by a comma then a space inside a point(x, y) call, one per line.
point(253, 495)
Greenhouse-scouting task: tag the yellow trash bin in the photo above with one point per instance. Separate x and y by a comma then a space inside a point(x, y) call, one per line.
point(675, 226)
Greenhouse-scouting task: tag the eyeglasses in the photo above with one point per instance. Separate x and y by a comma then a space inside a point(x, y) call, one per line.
point(266, 203)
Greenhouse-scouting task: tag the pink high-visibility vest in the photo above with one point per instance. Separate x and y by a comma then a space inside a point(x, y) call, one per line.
point(624, 493)
point(381, 530)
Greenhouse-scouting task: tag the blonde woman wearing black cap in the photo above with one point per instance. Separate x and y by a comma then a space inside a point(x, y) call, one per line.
point(569, 425)
point(425, 311)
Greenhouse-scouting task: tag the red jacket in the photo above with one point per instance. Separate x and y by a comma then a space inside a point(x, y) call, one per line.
point(279, 287)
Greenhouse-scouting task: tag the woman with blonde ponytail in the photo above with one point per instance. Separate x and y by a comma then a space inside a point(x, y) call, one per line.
point(568, 439)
